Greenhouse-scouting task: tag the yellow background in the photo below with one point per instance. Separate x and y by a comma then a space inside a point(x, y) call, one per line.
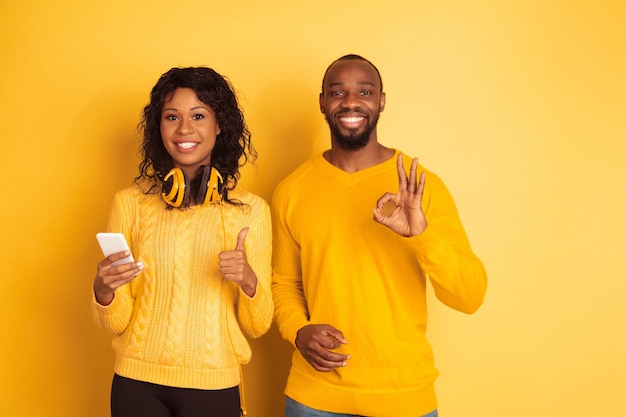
point(518, 105)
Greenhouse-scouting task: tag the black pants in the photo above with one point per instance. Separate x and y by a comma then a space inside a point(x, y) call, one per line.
point(131, 398)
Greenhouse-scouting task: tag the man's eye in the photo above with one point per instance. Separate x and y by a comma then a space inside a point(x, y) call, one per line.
point(336, 93)
point(366, 93)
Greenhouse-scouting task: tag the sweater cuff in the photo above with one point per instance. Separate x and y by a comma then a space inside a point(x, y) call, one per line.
point(426, 241)
point(110, 317)
point(260, 308)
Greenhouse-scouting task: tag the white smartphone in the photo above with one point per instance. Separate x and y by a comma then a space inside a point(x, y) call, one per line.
point(112, 243)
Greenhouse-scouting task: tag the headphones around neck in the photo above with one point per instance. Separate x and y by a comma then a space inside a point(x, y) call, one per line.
point(177, 189)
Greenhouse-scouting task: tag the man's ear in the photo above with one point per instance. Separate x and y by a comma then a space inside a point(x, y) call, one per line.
point(322, 109)
point(383, 100)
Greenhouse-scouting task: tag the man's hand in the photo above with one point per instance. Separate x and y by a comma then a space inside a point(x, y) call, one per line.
point(407, 219)
point(316, 342)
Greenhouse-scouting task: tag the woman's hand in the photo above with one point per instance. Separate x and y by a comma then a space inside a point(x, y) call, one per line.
point(110, 278)
point(235, 267)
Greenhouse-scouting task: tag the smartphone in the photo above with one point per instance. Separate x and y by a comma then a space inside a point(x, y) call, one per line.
point(112, 243)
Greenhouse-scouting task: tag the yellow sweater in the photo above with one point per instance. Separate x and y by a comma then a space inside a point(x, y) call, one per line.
point(333, 264)
point(179, 323)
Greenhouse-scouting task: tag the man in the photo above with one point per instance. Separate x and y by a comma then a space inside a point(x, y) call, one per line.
point(349, 284)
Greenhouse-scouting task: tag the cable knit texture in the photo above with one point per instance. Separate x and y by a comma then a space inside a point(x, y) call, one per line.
point(179, 323)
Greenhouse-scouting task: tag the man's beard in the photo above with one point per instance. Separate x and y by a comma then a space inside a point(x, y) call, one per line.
point(354, 140)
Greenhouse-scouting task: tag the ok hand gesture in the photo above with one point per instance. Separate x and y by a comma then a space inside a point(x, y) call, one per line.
point(407, 219)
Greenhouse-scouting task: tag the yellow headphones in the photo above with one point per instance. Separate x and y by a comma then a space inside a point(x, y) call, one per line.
point(176, 194)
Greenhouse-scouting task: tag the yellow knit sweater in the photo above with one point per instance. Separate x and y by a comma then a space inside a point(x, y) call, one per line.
point(179, 323)
point(333, 264)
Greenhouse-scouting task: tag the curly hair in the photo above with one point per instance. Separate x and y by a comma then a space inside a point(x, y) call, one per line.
point(233, 146)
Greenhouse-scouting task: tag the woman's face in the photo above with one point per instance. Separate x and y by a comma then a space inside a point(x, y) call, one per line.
point(189, 130)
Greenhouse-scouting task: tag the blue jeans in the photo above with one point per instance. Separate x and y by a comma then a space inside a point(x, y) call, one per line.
point(295, 409)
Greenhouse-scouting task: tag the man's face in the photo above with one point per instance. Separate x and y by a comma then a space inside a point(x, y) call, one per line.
point(351, 102)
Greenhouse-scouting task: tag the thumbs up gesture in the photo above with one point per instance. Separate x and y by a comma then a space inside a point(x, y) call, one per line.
point(234, 265)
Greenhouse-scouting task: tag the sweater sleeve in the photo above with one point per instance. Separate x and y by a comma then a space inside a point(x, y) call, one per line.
point(458, 276)
point(115, 317)
point(290, 313)
point(255, 313)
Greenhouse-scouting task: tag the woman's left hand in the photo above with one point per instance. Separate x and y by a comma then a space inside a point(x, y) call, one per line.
point(235, 267)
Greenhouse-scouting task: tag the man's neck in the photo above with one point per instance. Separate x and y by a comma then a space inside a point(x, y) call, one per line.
point(352, 161)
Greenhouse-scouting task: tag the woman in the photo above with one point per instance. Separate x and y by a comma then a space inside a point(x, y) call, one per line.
point(203, 248)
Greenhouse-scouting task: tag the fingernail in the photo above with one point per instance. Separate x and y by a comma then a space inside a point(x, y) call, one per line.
point(140, 265)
